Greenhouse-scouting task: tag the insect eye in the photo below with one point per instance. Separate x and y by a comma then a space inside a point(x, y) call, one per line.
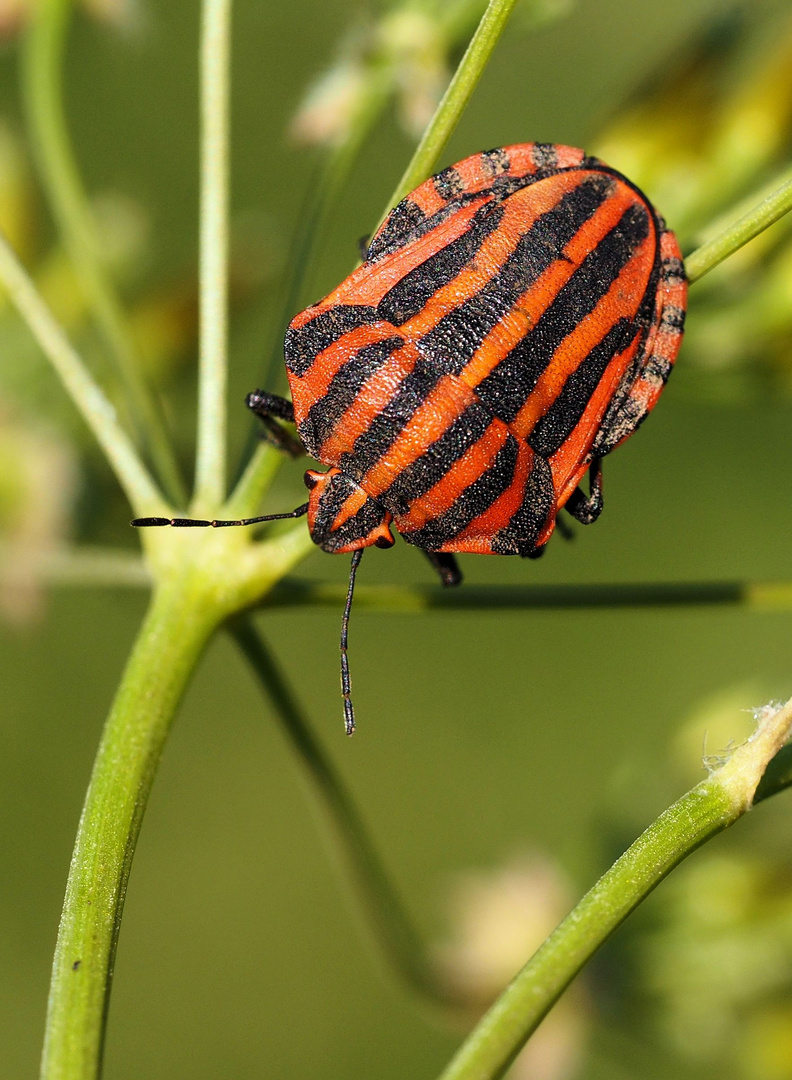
point(310, 479)
point(384, 542)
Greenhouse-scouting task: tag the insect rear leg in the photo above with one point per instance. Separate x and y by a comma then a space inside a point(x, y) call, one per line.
point(270, 408)
point(587, 508)
point(446, 566)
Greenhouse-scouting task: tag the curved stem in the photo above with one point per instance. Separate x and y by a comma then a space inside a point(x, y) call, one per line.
point(699, 815)
point(745, 228)
point(453, 103)
point(168, 646)
point(210, 474)
point(390, 922)
point(42, 86)
point(96, 410)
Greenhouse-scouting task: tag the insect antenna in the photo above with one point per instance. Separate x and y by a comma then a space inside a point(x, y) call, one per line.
point(346, 689)
point(201, 523)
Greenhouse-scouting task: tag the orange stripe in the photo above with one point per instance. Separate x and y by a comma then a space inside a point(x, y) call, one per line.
point(498, 516)
point(631, 282)
point(516, 323)
point(447, 401)
point(349, 508)
point(316, 380)
point(427, 197)
point(569, 462)
point(369, 283)
point(520, 212)
point(464, 472)
point(369, 402)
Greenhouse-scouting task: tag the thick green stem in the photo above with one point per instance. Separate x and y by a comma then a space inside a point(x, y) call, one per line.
point(454, 101)
point(43, 93)
point(699, 815)
point(210, 467)
point(171, 640)
point(392, 926)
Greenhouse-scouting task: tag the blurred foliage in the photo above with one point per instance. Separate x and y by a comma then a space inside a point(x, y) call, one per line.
point(709, 971)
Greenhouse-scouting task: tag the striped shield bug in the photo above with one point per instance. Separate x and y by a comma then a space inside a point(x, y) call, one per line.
point(514, 320)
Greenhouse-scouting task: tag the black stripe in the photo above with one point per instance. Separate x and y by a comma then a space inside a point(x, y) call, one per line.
point(403, 219)
point(336, 492)
point(508, 386)
point(561, 418)
point(495, 161)
point(409, 295)
point(656, 370)
point(302, 344)
point(457, 336)
point(390, 421)
point(545, 156)
point(520, 535)
point(342, 391)
point(368, 517)
point(448, 183)
point(673, 269)
point(673, 318)
point(427, 470)
point(474, 500)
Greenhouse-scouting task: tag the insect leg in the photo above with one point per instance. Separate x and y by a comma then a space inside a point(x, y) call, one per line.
point(270, 408)
point(446, 566)
point(587, 509)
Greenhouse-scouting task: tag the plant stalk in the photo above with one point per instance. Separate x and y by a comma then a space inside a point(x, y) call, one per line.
point(699, 815)
point(43, 94)
point(170, 642)
point(210, 467)
point(392, 927)
point(454, 100)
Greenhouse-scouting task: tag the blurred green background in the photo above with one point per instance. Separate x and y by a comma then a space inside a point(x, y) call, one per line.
point(536, 741)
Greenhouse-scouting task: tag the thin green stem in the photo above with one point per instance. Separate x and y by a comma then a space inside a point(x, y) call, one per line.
point(453, 103)
point(736, 235)
point(96, 410)
point(171, 640)
point(699, 815)
point(95, 566)
point(392, 927)
point(43, 95)
point(771, 595)
point(210, 475)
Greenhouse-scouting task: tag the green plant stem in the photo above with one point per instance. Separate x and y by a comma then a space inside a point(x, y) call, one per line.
point(210, 468)
point(392, 927)
point(98, 413)
point(699, 815)
point(771, 595)
point(455, 99)
point(43, 96)
point(170, 641)
point(745, 228)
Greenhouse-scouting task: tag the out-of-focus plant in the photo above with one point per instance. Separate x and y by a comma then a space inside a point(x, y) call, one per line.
point(204, 579)
point(703, 137)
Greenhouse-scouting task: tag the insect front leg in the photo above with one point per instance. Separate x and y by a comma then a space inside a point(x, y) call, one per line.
point(587, 508)
point(270, 408)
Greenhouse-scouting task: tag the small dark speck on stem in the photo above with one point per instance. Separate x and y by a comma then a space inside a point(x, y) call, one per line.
point(76, 965)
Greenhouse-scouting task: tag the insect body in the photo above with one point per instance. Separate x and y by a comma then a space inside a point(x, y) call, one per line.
point(516, 317)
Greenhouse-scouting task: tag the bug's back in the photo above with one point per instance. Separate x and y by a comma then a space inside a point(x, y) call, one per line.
point(462, 374)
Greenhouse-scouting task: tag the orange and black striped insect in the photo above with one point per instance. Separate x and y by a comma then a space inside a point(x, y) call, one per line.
point(516, 317)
